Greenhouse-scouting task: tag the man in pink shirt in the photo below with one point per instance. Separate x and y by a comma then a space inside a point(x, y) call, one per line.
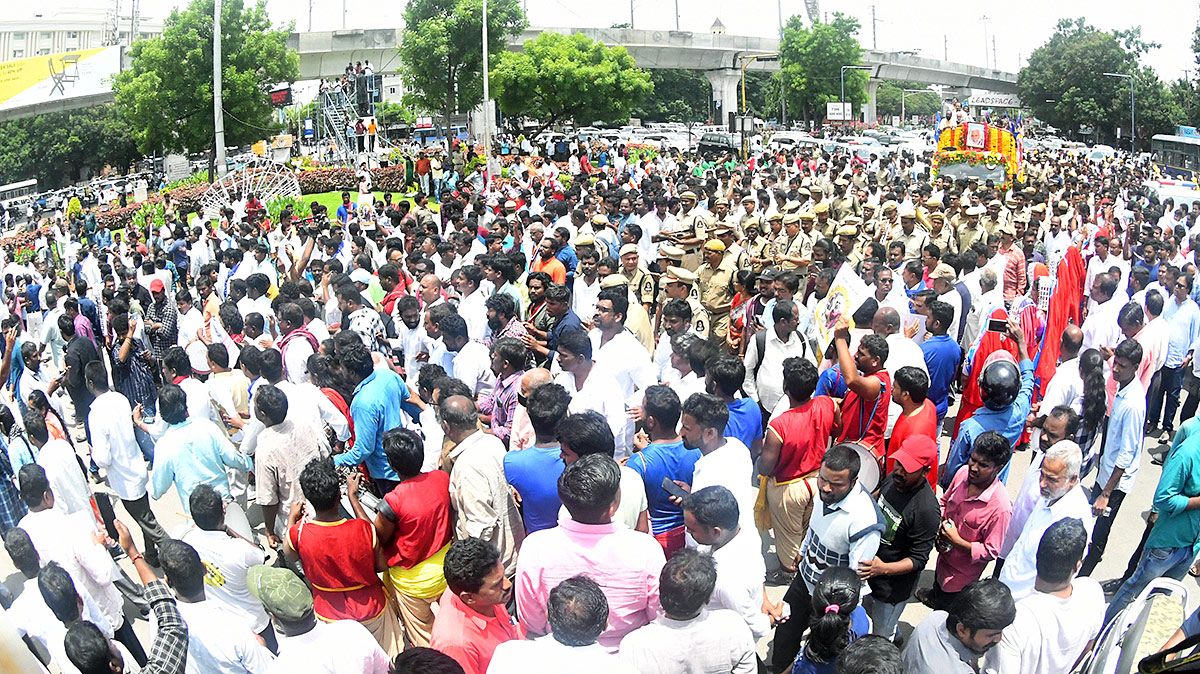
point(522, 428)
point(1014, 262)
point(471, 620)
point(975, 513)
point(625, 563)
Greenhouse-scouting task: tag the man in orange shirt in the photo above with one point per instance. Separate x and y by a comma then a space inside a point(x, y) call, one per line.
point(471, 621)
point(918, 415)
point(547, 262)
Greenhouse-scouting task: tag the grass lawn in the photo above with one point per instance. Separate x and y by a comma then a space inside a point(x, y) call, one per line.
point(332, 200)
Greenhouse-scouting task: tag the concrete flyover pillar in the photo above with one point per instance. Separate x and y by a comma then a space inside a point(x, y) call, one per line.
point(725, 92)
point(872, 99)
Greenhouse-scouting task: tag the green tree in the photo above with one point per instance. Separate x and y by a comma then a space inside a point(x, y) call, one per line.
point(167, 94)
point(811, 61)
point(441, 50)
point(58, 148)
point(679, 96)
point(560, 77)
point(888, 99)
point(1064, 82)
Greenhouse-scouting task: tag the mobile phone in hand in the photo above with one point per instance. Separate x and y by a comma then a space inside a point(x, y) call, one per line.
point(673, 489)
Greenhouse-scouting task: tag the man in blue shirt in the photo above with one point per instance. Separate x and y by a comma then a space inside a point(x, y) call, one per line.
point(534, 472)
point(1172, 543)
point(1008, 420)
point(1182, 315)
point(664, 458)
point(347, 209)
point(942, 357)
point(566, 253)
point(723, 378)
point(1122, 451)
point(558, 305)
point(374, 412)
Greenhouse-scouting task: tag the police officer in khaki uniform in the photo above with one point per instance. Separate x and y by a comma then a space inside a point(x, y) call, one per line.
point(715, 280)
point(681, 283)
point(940, 233)
point(749, 214)
point(972, 229)
point(795, 251)
point(847, 240)
point(641, 283)
point(824, 224)
point(844, 203)
point(736, 254)
point(888, 220)
point(693, 230)
point(759, 248)
point(914, 238)
point(995, 217)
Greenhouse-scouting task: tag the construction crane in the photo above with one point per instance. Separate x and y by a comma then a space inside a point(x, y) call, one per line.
point(814, 10)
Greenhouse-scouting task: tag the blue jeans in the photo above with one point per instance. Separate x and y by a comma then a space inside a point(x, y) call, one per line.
point(1155, 563)
point(884, 616)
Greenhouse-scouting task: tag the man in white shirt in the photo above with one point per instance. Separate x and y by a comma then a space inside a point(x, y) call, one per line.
point(1061, 497)
point(62, 466)
point(115, 449)
point(586, 288)
point(71, 541)
point(472, 305)
point(781, 342)
point(472, 363)
point(724, 461)
point(29, 613)
point(578, 613)
point(1059, 621)
point(702, 639)
point(592, 388)
point(1100, 329)
point(712, 516)
point(228, 558)
point(220, 641)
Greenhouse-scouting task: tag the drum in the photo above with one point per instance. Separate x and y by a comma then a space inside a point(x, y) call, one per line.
point(869, 472)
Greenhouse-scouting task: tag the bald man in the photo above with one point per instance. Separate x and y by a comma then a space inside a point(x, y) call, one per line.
point(522, 430)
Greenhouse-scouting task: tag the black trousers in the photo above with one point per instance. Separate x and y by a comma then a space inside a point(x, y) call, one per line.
point(153, 534)
point(1102, 529)
point(125, 635)
point(789, 633)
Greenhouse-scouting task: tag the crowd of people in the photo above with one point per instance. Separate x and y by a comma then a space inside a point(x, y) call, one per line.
point(540, 428)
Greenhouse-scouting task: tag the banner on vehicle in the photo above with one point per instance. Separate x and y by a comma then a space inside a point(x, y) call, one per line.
point(42, 79)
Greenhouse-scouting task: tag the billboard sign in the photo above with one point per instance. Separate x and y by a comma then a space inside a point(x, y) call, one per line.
point(987, 99)
point(1188, 132)
point(839, 112)
point(281, 97)
point(43, 79)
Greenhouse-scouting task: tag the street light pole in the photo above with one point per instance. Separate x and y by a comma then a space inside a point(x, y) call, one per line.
point(903, 111)
point(487, 107)
point(1132, 117)
point(844, 69)
point(218, 106)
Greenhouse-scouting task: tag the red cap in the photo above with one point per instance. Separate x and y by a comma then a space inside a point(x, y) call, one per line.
point(156, 286)
point(917, 452)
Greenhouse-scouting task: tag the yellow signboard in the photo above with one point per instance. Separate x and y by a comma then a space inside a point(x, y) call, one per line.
point(40, 79)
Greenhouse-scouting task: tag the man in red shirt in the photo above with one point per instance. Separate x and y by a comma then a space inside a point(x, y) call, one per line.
point(868, 387)
point(414, 528)
point(1014, 264)
point(471, 620)
point(792, 452)
point(918, 414)
point(339, 556)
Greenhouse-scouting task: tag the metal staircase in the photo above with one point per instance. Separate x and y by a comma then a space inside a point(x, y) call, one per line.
point(340, 107)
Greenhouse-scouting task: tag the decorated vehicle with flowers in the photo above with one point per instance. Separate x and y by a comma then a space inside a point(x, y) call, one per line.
point(975, 150)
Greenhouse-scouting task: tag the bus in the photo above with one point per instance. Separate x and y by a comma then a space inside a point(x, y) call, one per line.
point(13, 190)
point(1176, 156)
point(975, 150)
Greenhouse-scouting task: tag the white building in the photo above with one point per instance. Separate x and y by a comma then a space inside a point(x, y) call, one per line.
point(52, 32)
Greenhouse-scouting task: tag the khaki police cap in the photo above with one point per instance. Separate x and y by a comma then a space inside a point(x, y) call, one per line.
point(680, 275)
point(821, 208)
point(669, 251)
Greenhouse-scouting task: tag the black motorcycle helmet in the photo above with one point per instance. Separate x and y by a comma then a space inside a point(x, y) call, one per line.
point(999, 384)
